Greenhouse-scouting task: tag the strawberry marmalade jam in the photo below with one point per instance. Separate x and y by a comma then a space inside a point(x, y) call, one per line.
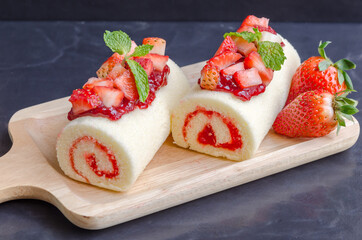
point(156, 80)
point(207, 135)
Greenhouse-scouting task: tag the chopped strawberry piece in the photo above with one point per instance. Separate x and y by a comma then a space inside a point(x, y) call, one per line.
point(247, 78)
point(224, 60)
point(108, 65)
point(133, 47)
point(159, 45)
point(243, 46)
point(232, 69)
point(227, 45)
point(116, 71)
point(209, 77)
point(159, 61)
point(127, 84)
point(266, 29)
point(83, 100)
point(92, 82)
point(252, 21)
point(110, 96)
point(254, 60)
point(146, 63)
point(245, 28)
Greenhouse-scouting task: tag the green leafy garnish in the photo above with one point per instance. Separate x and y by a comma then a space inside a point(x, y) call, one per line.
point(121, 43)
point(341, 65)
point(248, 36)
point(271, 53)
point(141, 78)
point(344, 108)
point(142, 50)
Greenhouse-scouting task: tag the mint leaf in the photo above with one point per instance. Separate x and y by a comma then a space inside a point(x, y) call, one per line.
point(272, 54)
point(141, 79)
point(118, 41)
point(345, 64)
point(323, 65)
point(142, 50)
point(321, 47)
point(248, 36)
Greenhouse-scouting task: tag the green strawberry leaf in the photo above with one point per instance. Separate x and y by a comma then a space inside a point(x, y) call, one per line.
point(345, 64)
point(348, 109)
point(323, 65)
point(321, 47)
point(348, 80)
point(141, 79)
point(272, 54)
point(248, 36)
point(118, 41)
point(142, 50)
point(340, 76)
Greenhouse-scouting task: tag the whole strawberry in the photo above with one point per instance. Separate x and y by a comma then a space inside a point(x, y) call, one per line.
point(315, 114)
point(321, 73)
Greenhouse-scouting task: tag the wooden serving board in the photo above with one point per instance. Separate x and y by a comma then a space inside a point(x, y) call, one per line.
point(175, 175)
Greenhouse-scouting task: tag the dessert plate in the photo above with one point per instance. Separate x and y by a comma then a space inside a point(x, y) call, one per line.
point(175, 175)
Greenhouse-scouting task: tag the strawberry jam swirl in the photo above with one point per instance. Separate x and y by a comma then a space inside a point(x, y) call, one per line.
point(90, 158)
point(207, 135)
point(156, 80)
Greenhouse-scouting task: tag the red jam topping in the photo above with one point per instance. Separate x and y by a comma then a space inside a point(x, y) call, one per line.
point(157, 79)
point(207, 135)
point(90, 158)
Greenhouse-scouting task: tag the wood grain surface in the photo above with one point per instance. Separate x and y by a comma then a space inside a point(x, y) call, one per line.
point(175, 175)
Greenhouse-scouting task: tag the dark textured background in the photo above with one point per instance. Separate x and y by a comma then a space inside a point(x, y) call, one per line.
point(182, 10)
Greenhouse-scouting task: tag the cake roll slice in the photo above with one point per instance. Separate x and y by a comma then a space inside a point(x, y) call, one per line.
point(109, 146)
point(232, 108)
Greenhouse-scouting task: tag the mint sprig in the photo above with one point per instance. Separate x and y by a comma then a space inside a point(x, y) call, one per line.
point(271, 53)
point(120, 42)
point(341, 65)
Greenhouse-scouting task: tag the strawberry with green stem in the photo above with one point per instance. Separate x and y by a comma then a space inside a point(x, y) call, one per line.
point(315, 114)
point(319, 72)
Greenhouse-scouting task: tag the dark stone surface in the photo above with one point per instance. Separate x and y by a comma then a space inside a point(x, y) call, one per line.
point(321, 200)
point(182, 10)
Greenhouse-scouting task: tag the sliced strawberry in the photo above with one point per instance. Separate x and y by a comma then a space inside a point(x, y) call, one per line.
point(159, 61)
point(92, 82)
point(252, 21)
point(266, 29)
point(210, 77)
point(254, 60)
point(116, 71)
point(110, 96)
point(83, 100)
point(243, 46)
point(146, 63)
point(224, 60)
point(247, 78)
point(133, 47)
point(245, 28)
point(108, 65)
point(227, 45)
point(127, 85)
point(159, 45)
point(232, 69)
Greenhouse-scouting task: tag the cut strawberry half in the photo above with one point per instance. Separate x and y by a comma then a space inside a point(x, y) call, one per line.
point(146, 63)
point(254, 60)
point(243, 46)
point(92, 82)
point(110, 96)
point(116, 71)
point(247, 78)
point(83, 100)
point(224, 60)
point(210, 77)
point(108, 65)
point(233, 68)
point(159, 61)
point(227, 45)
point(126, 83)
point(159, 45)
